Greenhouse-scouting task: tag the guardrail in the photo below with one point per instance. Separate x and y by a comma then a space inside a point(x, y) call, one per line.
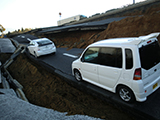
point(7, 79)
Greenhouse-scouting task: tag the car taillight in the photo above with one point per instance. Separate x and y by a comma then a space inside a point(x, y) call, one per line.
point(137, 74)
point(149, 41)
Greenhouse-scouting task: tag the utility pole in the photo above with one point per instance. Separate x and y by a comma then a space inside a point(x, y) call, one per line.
point(133, 1)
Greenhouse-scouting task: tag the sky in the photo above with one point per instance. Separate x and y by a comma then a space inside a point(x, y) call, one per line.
point(18, 14)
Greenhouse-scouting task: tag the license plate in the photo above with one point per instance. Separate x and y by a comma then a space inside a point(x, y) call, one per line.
point(155, 85)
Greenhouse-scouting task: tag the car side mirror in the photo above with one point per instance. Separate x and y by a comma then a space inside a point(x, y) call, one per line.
point(82, 59)
point(30, 44)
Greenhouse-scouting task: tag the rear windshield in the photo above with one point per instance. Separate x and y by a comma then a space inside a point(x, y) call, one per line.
point(44, 42)
point(150, 55)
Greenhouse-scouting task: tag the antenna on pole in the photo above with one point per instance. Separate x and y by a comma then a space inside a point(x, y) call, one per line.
point(59, 22)
point(60, 15)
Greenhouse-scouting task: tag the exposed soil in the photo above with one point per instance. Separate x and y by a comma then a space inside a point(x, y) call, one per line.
point(46, 89)
point(136, 26)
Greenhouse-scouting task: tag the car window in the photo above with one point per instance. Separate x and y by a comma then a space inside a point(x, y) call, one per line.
point(91, 55)
point(44, 42)
point(109, 56)
point(149, 55)
point(129, 58)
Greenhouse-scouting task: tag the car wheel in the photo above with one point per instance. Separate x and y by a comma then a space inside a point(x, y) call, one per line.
point(126, 94)
point(77, 75)
point(35, 54)
point(27, 49)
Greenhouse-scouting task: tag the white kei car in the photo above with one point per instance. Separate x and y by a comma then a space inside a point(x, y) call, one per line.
point(127, 66)
point(41, 46)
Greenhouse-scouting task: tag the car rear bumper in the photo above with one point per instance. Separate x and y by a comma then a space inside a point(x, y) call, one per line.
point(147, 90)
point(39, 53)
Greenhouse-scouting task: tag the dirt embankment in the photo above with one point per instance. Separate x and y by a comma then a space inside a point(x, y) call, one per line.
point(48, 90)
point(136, 26)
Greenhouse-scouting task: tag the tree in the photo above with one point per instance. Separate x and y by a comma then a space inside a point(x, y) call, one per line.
point(22, 29)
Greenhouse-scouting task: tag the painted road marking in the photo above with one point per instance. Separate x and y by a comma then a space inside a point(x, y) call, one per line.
point(69, 55)
point(29, 39)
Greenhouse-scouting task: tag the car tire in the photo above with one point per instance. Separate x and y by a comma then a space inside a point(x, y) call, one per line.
point(35, 55)
point(27, 49)
point(126, 94)
point(77, 75)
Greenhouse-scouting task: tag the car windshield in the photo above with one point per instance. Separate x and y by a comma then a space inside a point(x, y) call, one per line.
point(150, 55)
point(44, 42)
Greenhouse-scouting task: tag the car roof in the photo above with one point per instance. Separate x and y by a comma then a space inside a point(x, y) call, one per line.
point(113, 41)
point(125, 41)
point(40, 39)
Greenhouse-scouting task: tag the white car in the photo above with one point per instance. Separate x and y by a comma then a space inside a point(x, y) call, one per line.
point(127, 66)
point(41, 46)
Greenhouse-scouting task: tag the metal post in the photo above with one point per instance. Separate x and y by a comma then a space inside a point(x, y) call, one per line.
point(133, 1)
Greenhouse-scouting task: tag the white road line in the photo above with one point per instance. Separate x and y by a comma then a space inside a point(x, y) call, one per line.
point(69, 55)
point(29, 39)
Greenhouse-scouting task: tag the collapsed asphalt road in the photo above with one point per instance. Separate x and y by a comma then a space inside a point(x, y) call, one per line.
point(11, 107)
point(62, 60)
point(60, 63)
